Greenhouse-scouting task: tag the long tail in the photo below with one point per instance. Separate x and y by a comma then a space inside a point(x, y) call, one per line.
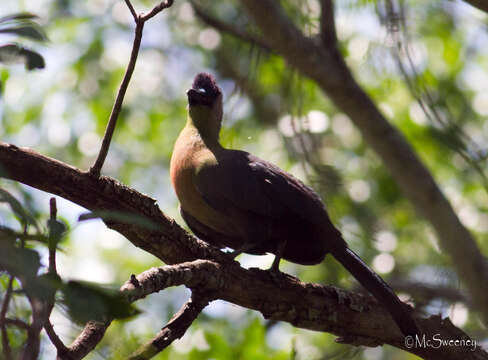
point(379, 288)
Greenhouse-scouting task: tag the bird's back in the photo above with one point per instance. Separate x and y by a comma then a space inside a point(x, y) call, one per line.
point(268, 206)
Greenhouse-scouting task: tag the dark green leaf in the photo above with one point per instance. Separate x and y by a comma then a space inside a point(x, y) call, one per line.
point(89, 301)
point(18, 16)
point(56, 231)
point(13, 53)
point(7, 233)
point(17, 208)
point(43, 287)
point(26, 29)
point(18, 261)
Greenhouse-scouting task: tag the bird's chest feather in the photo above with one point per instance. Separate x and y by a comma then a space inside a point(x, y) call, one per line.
point(188, 156)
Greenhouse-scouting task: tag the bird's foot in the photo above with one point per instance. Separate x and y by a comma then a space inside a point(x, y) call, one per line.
point(281, 279)
point(275, 273)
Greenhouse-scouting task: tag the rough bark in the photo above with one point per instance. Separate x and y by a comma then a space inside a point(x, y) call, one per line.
point(325, 65)
point(356, 318)
point(479, 4)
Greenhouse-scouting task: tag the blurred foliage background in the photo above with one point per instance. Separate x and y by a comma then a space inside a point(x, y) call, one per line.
point(423, 63)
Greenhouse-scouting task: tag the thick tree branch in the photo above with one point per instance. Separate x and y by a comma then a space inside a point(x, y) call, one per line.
point(105, 195)
point(327, 23)
point(328, 69)
point(199, 274)
point(479, 4)
point(89, 338)
point(319, 308)
point(211, 277)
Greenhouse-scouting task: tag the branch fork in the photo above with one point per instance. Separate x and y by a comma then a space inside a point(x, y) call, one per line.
point(303, 305)
point(140, 20)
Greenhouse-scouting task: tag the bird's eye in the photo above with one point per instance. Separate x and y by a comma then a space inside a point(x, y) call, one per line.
point(201, 90)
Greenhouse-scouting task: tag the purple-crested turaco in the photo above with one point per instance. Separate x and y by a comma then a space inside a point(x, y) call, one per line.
point(230, 198)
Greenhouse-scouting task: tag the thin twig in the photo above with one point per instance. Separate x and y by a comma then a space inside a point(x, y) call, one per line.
point(96, 168)
point(32, 345)
point(52, 244)
point(57, 342)
point(157, 9)
point(39, 315)
point(60, 347)
point(17, 323)
point(131, 9)
point(7, 351)
point(53, 210)
point(86, 341)
point(175, 328)
point(23, 236)
point(109, 131)
point(424, 97)
point(6, 300)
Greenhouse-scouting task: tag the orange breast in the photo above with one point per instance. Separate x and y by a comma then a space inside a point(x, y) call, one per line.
point(188, 153)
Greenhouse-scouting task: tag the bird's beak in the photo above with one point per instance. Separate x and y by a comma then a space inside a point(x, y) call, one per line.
point(198, 97)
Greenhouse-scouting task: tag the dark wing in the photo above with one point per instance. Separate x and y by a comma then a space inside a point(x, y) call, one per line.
point(241, 180)
point(214, 237)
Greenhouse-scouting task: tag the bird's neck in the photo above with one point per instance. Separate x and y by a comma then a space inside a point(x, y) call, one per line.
point(207, 128)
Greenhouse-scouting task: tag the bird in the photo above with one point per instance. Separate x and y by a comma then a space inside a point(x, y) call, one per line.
point(233, 199)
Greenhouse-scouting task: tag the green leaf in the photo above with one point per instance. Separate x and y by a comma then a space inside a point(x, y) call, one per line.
point(18, 261)
point(12, 235)
point(89, 301)
point(26, 29)
point(57, 229)
point(4, 75)
point(18, 16)
point(7, 233)
point(44, 287)
point(17, 208)
point(14, 53)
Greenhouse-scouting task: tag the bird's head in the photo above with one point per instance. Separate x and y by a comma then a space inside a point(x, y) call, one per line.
point(205, 103)
point(204, 91)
